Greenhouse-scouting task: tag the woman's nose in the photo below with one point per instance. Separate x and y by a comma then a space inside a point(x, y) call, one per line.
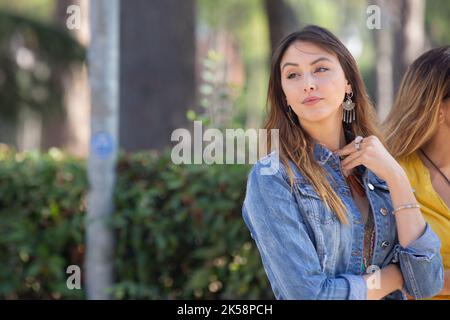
point(309, 87)
point(308, 84)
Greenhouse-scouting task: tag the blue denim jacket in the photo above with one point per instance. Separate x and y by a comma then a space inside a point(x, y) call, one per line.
point(308, 254)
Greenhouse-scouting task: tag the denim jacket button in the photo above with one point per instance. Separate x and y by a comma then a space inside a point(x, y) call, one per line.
point(385, 244)
point(384, 211)
point(356, 253)
point(371, 187)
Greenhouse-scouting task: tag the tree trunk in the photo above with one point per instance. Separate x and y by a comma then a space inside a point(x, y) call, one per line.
point(157, 81)
point(70, 127)
point(409, 34)
point(383, 62)
point(282, 20)
point(103, 58)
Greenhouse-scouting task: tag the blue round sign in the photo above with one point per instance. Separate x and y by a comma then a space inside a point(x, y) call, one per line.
point(102, 144)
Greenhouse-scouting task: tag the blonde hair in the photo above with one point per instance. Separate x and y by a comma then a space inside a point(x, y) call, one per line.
point(295, 144)
point(413, 119)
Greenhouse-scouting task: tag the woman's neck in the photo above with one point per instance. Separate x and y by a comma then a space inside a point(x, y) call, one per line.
point(438, 149)
point(330, 134)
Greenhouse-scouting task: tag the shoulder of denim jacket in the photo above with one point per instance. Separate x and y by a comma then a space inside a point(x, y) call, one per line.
point(273, 161)
point(269, 159)
point(270, 164)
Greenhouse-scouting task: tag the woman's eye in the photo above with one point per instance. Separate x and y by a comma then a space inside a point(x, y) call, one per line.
point(291, 75)
point(321, 69)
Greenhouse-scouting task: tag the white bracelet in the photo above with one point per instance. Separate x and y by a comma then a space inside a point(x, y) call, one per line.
point(406, 206)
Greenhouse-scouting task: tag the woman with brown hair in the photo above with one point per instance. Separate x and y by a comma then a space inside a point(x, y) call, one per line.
point(418, 133)
point(323, 225)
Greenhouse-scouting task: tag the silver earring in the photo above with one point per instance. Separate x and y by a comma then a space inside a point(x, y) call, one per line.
point(349, 113)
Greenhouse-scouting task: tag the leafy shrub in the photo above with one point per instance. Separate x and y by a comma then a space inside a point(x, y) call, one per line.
point(178, 229)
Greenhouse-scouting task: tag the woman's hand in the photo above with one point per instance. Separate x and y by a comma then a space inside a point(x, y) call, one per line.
point(373, 155)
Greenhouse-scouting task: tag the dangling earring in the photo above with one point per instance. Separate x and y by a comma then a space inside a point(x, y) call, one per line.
point(349, 113)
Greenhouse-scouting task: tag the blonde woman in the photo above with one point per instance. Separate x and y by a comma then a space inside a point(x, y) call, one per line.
point(323, 224)
point(418, 135)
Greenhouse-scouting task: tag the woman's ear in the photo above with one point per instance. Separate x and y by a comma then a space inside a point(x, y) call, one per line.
point(348, 88)
point(441, 114)
point(444, 111)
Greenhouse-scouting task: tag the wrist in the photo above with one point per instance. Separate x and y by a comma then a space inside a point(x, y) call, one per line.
point(397, 176)
point(395, 269)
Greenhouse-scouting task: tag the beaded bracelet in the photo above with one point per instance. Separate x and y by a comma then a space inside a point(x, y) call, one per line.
point(406, 206)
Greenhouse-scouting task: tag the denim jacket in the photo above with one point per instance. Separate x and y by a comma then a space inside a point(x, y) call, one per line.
point(307, 253)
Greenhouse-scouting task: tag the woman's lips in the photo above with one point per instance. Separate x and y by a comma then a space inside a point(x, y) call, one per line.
point(311, 100)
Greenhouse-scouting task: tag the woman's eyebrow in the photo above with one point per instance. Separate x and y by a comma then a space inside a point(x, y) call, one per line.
point(289, 64)
point(320, 59)
point(314, 62)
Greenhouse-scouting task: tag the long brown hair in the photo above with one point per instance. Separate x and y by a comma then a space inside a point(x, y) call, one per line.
point(413, 119)
point(294, 142)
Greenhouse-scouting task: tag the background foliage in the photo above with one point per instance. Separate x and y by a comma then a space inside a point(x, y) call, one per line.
point(179, 230)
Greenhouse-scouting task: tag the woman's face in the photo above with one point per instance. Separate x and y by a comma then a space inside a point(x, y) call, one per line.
point(313, 82)
point(445, 114)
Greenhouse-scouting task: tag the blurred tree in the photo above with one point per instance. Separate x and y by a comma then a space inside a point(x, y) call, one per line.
point(400, 40)
point(31, 52)
point(37, 10)
point(409, 35)
point(437, 22)
point(383, 61)
point(69, 129)
point(282, 20)
point(157, 75)
point(245, 24)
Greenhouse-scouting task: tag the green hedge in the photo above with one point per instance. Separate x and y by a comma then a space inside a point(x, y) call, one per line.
point(179, 231)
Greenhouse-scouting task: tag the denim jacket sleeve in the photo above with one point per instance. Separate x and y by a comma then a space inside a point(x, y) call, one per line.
point(421, 265)
point(287, 252)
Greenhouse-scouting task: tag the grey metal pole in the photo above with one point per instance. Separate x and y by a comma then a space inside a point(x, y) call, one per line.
point(103, 65)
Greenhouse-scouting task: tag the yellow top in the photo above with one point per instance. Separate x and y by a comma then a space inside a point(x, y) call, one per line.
point(433, 208)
